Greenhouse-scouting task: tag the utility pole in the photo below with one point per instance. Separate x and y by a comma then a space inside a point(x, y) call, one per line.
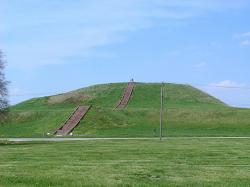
point(161, 113)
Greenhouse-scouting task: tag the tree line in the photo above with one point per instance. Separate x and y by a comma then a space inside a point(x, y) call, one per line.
point(3, 89)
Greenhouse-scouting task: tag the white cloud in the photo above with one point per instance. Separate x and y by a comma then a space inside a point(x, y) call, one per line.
point(245, 42)
point(228, 83)
point(231, 92)
point(246, 34)
point(244, 38)
point(58, 30)
point(201, 65)
point(211, 5)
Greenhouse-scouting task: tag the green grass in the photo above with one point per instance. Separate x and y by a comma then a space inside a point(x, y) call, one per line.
point(188, 112)
point(173, 162)
point(140, 163)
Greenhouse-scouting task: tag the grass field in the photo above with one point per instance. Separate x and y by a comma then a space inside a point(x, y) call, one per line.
point(188, 112)
point(174, 162)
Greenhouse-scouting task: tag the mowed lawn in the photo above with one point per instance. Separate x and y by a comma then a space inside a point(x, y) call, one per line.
point(172, 162)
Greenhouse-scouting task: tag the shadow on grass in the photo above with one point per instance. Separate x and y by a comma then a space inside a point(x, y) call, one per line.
point(9, 143)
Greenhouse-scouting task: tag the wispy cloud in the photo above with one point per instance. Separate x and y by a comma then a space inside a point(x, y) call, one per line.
point(228, 83)
point(201, 65)
point(208, 5)
point(244, 38)
point(231, 92)
point(52, 31)
point(245, 34)
point(245, 42)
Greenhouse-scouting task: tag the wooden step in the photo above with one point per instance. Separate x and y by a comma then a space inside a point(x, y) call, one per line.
point(74, 119)
point(126, 96)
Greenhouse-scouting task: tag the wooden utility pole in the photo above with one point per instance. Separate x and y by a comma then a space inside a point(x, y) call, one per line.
point(161, 113)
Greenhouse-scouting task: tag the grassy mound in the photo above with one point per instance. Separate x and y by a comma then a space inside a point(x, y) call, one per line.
point(188, 112)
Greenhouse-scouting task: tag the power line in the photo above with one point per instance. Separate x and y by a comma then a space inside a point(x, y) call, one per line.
point(191, 84)
point(227, 87)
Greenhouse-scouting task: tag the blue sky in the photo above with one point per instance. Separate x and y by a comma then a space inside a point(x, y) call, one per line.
point(54, 46)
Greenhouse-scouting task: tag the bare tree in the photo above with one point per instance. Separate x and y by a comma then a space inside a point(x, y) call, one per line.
point(3, 89)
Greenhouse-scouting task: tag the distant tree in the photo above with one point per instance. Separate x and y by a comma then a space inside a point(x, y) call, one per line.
point(3, 89)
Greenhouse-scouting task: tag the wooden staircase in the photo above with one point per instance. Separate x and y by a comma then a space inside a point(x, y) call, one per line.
point(74, 119)
point(126, 96)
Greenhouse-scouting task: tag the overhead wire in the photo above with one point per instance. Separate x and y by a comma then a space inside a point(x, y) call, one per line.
point(191, 84)
point(198, 85)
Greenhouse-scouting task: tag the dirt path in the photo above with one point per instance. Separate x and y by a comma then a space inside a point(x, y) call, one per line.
point(100, 139)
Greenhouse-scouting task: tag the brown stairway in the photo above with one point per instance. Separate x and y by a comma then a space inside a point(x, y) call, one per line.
point(126, 96)
point(73, 120)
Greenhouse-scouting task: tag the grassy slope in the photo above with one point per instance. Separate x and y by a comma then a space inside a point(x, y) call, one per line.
point(189, 112)
point(175, 162)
